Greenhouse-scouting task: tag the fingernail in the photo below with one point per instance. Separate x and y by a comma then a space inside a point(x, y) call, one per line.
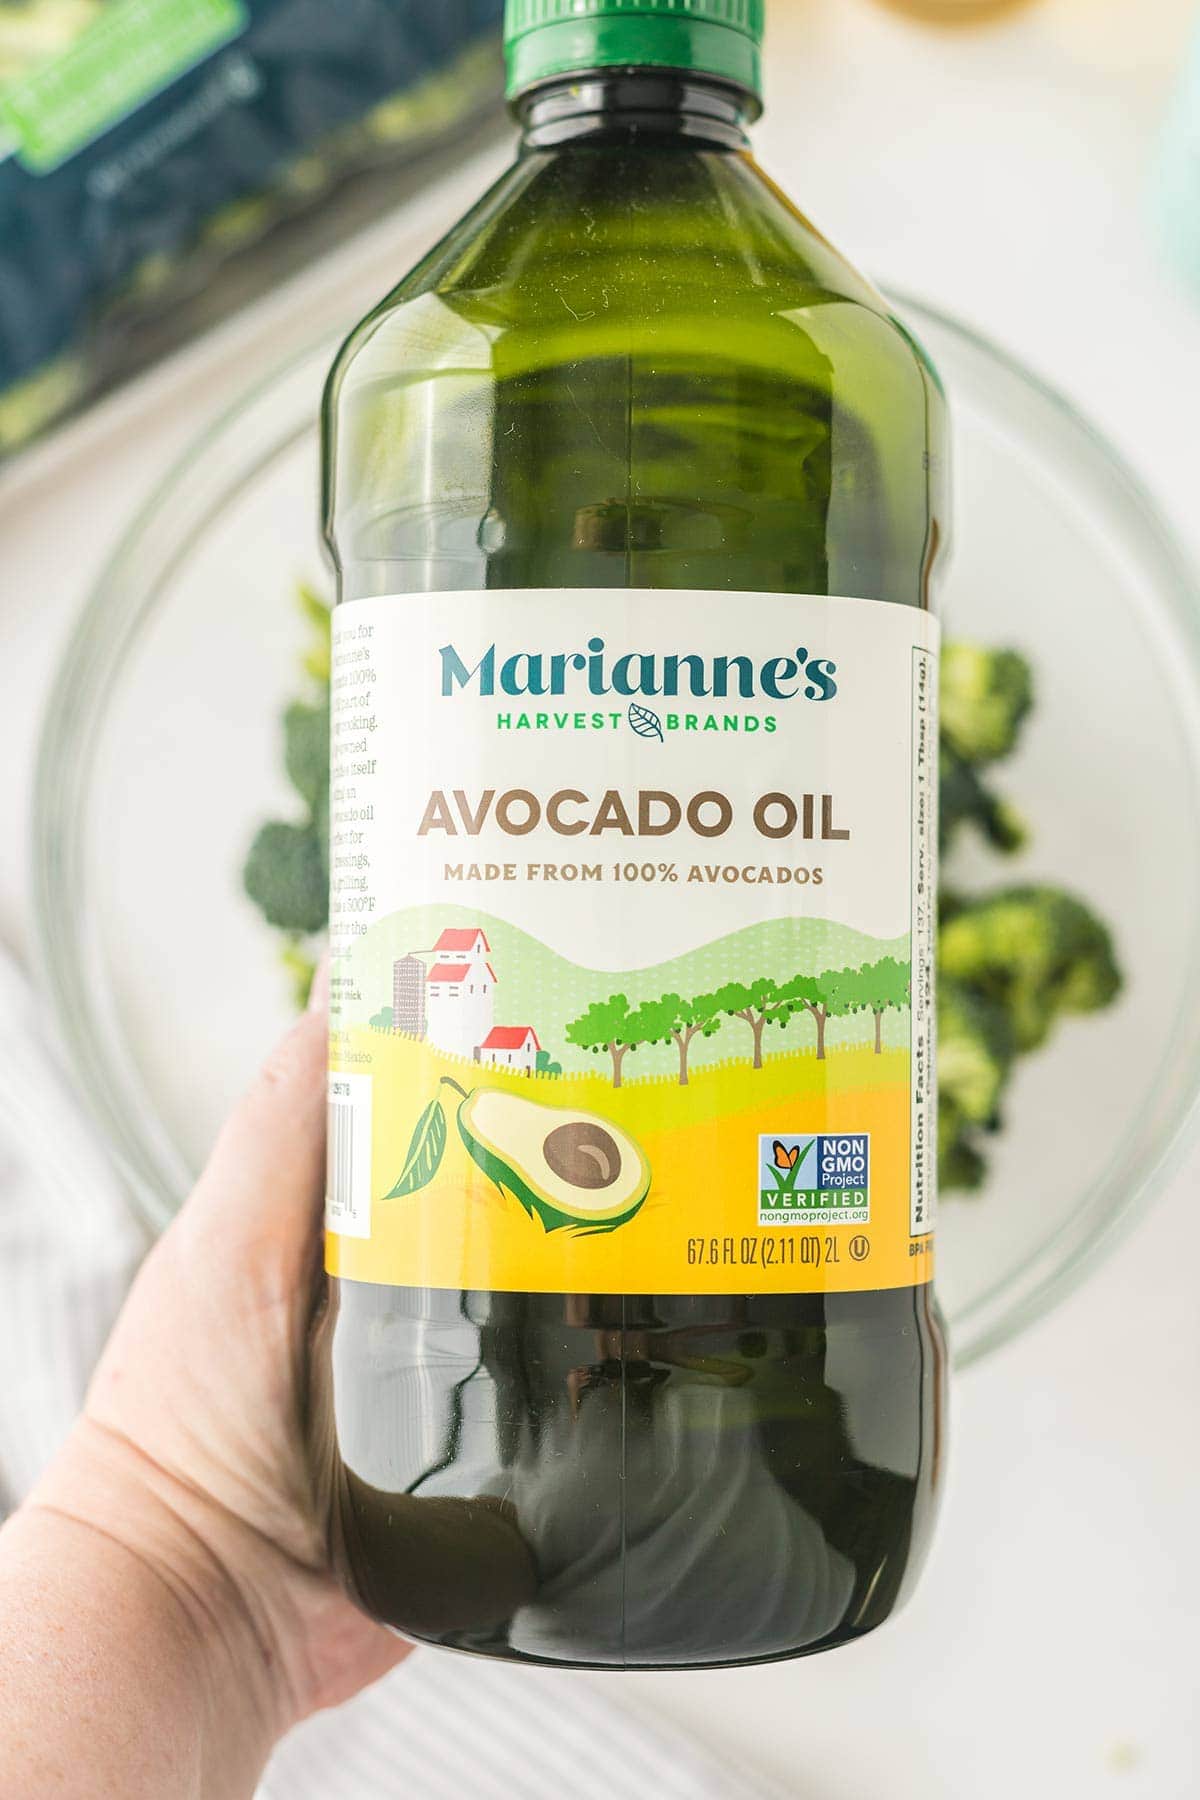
point(318, 997)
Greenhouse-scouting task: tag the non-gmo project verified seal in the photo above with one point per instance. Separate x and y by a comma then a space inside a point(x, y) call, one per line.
point(815, 1180)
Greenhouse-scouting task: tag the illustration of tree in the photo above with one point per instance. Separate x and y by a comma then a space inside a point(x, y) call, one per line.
point(673, 1020)
point(876, 988)
point(612, 1026)
point(382, 1020)
point(700, 1017)
point(823, 997)
point(761, 1003)
point(546, 1065)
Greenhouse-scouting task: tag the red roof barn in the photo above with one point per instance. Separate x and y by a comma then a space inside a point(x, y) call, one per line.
point(466, 940)
point(511, 1047)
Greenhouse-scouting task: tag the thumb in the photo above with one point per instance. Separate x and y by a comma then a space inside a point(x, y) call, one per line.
point(222, 1304)
point(262, 1190)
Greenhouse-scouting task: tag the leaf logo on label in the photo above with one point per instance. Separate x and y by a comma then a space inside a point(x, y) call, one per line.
point(424, 1153)
point(647, 724)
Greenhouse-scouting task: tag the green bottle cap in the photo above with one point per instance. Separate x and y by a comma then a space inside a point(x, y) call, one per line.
point(544, 38)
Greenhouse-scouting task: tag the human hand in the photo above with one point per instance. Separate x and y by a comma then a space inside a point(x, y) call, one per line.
point(184, 1486)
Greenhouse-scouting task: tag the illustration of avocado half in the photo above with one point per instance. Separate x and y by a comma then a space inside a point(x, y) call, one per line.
point(571, 1169)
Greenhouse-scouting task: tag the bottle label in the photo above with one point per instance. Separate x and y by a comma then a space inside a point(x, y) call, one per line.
point(633, 913)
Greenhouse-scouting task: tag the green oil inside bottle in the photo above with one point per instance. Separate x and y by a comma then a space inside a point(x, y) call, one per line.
point(633, 364)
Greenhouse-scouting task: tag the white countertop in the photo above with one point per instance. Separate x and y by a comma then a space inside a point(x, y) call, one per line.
point(1002, 172)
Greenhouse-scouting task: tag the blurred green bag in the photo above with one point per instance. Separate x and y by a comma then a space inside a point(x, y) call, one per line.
point(164, 160)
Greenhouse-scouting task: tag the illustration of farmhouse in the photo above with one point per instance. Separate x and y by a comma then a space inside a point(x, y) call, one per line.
point(452, 1003)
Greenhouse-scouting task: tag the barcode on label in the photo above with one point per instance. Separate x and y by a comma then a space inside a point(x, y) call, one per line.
point(348, 1157)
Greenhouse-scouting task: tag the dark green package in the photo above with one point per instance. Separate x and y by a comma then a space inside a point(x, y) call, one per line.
point(162, 161)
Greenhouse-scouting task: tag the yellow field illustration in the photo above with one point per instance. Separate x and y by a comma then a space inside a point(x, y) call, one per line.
point(449, 1225)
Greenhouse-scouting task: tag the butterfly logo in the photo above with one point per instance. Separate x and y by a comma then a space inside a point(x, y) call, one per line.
point(785, 1163)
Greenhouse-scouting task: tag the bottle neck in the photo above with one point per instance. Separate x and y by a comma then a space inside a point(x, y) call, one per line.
point(628, 105)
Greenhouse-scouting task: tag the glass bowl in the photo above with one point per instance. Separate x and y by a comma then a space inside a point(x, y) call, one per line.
point(161, 755)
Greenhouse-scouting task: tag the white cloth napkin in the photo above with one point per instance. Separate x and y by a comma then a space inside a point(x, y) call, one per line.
point(441, 1726)
point(68, 1245)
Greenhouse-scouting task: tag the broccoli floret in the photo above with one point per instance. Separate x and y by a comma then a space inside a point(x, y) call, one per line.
point(285, 877)
point(976, 1050)
point(976, 1047)
point(961, 1166)
point(320, 824)
point(301, 969)
point(306, 751)
point(1035, 952)
point(287, 871)
point(965, 799)
point(986, 696)
point(319, 655)
point(1010, 964)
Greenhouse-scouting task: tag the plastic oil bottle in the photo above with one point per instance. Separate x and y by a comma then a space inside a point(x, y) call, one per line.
point(635, 491)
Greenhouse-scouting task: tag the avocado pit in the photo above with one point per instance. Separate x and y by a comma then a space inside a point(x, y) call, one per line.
point(583, 1154)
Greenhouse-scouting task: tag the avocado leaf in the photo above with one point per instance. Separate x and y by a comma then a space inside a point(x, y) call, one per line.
point(424, 1153)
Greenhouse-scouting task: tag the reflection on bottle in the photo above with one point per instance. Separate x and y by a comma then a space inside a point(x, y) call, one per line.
point(453, 1564)
point(622, 1482)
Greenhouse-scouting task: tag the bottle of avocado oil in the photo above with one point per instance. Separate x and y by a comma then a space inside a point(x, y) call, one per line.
point(635, 491)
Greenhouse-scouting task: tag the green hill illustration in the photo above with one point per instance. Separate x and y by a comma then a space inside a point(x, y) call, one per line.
point(484, 990)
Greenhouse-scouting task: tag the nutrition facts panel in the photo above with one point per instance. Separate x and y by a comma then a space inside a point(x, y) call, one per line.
point(924, 940)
